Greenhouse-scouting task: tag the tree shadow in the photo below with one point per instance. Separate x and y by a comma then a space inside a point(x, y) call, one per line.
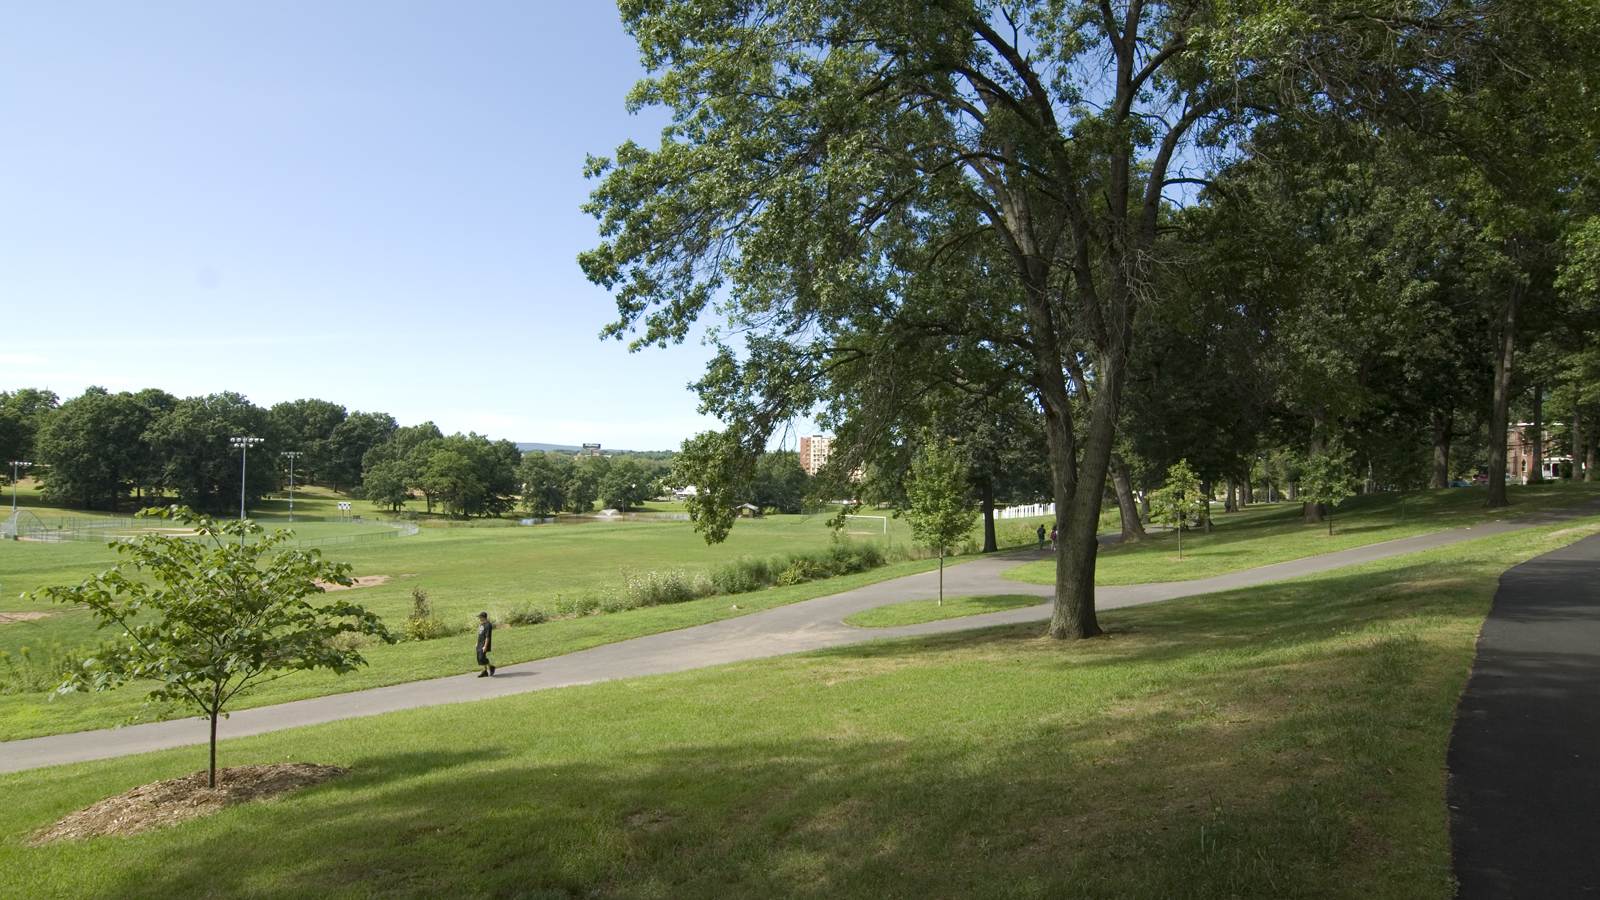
point(748, 816)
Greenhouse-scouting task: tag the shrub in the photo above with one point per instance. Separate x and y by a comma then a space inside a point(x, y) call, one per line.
point(424, 624)
point(653, 588)
point(735, 578)
point(526, 615)
point(35, 672)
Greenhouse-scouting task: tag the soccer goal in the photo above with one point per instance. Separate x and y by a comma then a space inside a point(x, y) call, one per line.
point(884, 519)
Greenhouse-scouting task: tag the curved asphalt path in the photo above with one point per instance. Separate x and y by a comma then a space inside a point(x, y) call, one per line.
point(1524, 757)
point(809, 625)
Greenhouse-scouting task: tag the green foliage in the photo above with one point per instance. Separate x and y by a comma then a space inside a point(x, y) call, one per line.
point(653, 588)
point(936, 498)
point(1179, 500)
point(424, 624)
point(192, 442)
point(37, 670)
point(526, 614)
point(658, 587)
point(22, 413)
point(779, 482)
point(1328, 478)
point(719, 467)
point(94, 450)
point(936, 495)
point(308, 426)
point(624, 484)
point(544, 479)
point(206, 617)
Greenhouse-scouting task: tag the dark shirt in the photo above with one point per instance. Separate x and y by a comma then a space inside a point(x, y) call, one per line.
point(485, 637)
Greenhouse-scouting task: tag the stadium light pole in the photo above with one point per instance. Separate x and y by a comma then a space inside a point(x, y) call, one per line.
point(292, 456)
point(244, 444)
point(16, 464)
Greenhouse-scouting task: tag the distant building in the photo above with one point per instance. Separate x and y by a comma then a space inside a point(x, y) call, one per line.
point(1519, 455)
point(814, 452)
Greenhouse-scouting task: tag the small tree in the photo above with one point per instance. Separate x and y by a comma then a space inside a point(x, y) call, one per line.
point(1326, 478)
point(936, 496)
point(1178, 499)
point(205, 617)
point(1403, 467)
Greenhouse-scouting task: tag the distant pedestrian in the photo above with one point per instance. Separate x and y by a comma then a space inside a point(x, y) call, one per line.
point(1041, 536)
point(485, 644)
point(1055, 538)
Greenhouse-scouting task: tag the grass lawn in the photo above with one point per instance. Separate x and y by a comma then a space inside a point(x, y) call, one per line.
point(463, 570)
point(1285, 740)
point(915, 612)
point(1266, 534)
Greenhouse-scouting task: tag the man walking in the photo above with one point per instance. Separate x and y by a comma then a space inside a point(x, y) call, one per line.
point(485, 644)
point(1041, 537)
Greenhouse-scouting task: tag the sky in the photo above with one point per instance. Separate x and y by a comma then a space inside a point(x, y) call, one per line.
point(372, 203)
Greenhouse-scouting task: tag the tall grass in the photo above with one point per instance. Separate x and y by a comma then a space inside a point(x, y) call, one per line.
point(658, 587)
point(37, 670)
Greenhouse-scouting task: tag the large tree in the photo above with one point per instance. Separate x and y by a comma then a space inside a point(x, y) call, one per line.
point(93, 448)
point(813, 141)
point(198, 460)
point(22, 413)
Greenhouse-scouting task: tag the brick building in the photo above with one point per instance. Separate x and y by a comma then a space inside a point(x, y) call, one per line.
point(814, 452)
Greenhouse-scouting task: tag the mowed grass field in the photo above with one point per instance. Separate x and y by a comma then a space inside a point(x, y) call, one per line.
point(464, 568)
point(1281, 741)
point(497, 566)
point(1270, 533)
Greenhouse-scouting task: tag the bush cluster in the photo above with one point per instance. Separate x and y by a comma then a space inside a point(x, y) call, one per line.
point(424, 624)
point(654, 588)
point(30, 671)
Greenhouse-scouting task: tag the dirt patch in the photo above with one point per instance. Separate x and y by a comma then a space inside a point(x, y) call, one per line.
point(358, 582)
point(166, 803)
point(8, 618)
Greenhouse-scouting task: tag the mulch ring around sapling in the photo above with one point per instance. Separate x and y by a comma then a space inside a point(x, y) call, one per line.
point(167, 803)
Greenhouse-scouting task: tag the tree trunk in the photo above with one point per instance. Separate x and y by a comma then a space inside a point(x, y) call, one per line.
point(1313, 513)
point(1132, 530)
point(212, 780)
point(987, 493)
point(1231, 505)
point(1536, 456)
point(1205, 509)
point(1505, 347)
point(941, 574)
point(1248, 488)
point(1443, 423)
point(1589, 461)
point(1578, 473)
point(1079, 511)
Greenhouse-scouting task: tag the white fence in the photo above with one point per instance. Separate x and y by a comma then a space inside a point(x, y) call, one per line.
point(1026, 512)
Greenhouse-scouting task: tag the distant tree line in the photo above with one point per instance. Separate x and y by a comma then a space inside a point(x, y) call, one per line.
point(101, 450)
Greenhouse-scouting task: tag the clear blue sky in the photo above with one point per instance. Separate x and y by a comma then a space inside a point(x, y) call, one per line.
point(373, 203)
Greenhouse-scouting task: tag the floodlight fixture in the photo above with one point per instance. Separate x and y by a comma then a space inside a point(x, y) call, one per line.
point(244, 444)
point(15, 465)
point(292, 455)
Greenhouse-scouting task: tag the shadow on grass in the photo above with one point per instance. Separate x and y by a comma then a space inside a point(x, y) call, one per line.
point(1291, 614)
point(1034, 814)
point(1284, 740)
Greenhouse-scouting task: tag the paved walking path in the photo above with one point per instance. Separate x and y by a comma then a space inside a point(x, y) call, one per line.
point(1524, 757)
point(809, 625)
